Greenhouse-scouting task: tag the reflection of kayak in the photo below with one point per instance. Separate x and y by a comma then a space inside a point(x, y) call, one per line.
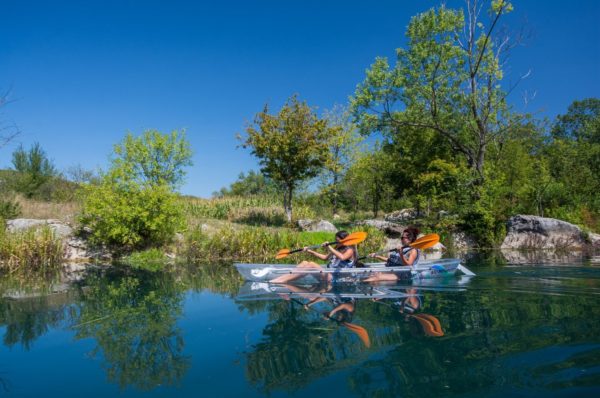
point(426, 269)
point(269, 291)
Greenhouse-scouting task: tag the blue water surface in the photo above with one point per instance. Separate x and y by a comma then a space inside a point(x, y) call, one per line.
point(515, 329)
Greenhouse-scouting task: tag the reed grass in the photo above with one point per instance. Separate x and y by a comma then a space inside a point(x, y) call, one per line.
point(263, 210)
point(261, 244)
point(31, 250)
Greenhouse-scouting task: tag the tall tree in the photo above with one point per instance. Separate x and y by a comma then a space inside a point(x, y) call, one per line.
point(447, 81)
point(34, 167)
point(343, 142)
point(291, 146)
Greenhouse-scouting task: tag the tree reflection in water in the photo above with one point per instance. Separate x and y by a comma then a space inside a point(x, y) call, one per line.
point(133, 321)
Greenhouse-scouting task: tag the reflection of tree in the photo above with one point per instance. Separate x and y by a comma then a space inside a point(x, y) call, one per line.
point(298, 347)
point(133, 322)
point(490, 338)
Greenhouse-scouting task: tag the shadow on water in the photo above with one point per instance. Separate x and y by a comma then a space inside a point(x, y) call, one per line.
point(516, 328)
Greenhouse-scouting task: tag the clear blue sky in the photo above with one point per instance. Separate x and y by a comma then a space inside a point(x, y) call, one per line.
point(83, 73)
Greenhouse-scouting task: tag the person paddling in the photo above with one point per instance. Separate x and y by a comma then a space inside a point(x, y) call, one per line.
point(338, 257)
point(405, 255)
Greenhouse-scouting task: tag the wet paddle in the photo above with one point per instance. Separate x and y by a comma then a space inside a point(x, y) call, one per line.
point(361, 332)
point(424, 242)
point(353, 239)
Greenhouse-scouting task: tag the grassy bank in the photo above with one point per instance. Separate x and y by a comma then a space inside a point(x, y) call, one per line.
point(32, 250)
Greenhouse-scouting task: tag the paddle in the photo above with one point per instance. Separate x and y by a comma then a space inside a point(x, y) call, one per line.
point(430, 324)
point(424, 242)
point(353, 239)
point(361, 332)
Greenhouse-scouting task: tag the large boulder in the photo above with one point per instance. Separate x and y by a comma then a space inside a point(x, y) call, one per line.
point(316, 226)
point(533, 232)
point(60, 229)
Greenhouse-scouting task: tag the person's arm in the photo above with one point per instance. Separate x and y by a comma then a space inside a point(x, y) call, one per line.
point(316, 254)
point(377, 256)
point(342, 256)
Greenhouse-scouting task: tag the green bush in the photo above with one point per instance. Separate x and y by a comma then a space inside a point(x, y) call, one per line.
point(132, 218)
point(150, 260)
point(9, 209)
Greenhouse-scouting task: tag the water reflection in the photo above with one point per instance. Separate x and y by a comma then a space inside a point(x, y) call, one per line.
point(525, 329)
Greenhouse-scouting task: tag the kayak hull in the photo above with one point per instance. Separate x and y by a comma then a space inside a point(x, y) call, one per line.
point(428, 269)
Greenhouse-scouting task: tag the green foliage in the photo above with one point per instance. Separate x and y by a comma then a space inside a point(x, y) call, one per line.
point(261, 244)
point(291, 146)
point(150, 260)
point(35, 170)
point(252, 184)
point(133, 218)
point(152, 159)
point(9, 208)
point(133, 207)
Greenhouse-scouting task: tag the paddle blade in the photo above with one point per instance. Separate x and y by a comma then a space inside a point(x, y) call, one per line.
point(425, 242)
point(429, 327)
point(282, 253)
point(360, 331)
point(354, 238)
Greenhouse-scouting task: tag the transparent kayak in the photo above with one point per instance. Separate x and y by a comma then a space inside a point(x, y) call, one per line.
point(426, 269)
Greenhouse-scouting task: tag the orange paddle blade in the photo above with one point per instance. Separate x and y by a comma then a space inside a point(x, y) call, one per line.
point(360, 331)
point(428, 326)
point(354, 238)
point(282, 253)
point(425, 242)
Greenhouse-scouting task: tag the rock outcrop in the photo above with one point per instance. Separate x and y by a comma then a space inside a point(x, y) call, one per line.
point(533, 232)
point(316, 226)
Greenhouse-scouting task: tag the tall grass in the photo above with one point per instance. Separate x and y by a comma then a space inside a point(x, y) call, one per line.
point(31, 250)
point(260, 244)
point(256, 210)
point(63, 211)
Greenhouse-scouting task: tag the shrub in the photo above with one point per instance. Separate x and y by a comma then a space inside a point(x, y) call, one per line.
point(150, 260)
point(130, 218)
point(32, 250)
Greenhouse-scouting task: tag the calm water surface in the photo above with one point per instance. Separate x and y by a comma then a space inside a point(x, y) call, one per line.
point(513, 330)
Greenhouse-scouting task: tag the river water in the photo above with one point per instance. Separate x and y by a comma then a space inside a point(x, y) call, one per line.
point(515, 329)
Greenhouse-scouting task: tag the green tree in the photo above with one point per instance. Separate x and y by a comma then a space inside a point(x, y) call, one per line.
point(152, 159)
point(34, 167)
point(444, 83)
point(291, 146)
point(134, 206)
point(343, 142)
point(252, 183)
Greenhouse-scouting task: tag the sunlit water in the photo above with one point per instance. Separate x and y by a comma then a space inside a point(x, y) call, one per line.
point(512, 330)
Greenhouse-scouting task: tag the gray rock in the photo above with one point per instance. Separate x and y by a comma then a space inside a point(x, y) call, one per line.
point(403, 215)
point(387, 227)
point(533, 232)
point(462, 242)
point(316, 226)
point(60, 229)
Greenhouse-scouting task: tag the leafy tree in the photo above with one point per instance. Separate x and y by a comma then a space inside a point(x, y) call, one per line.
point(291, 146)
point(34, 167)
point(343, 141)
point(444, 83)
point(152, 159)
point(134, 206)
point(252, 183)
point(366, 184)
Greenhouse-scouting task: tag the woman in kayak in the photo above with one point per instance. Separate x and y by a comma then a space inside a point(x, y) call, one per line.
point(339, 256)
point(403, 256)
